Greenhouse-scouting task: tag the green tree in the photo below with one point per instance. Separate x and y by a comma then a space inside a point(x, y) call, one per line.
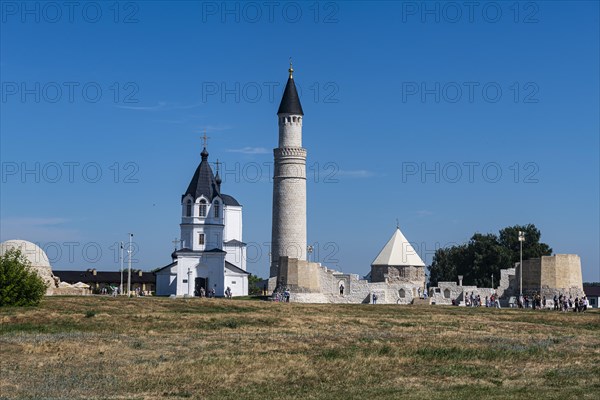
point(443, 266)
point(485, 256)
point(20, 285)
point(532, 247)
point(254, 285)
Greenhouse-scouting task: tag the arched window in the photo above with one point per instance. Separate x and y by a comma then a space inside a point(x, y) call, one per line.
point(203, 208)
point(447, 293)
point(216, 208)
point(188, 208)
point(402, 293)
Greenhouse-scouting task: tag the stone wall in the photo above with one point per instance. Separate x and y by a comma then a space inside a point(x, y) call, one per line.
point(398, 274)
point(508, 285)
point(445, 292)
point(356, 290)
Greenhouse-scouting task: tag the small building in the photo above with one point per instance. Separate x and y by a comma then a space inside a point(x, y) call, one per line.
point(592, 292)
point(398, 262)
point(98, 280)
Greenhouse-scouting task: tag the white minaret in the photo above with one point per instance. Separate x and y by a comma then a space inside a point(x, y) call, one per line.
point(289, 182)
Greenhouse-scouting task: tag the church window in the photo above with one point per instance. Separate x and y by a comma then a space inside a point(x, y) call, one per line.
point(188, 208)
point(402, 293)
point(201, 239)
point(203, 208)
point(216, 207)
point(447, 294)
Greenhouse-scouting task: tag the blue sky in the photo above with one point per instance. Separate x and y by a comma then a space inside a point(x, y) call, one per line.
point(451, 120)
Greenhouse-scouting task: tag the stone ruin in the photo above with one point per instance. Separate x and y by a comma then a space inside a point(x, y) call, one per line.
point(41, 265)
point(547, 275)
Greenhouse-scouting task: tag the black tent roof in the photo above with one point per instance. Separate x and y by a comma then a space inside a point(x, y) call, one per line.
point(203, 182)
point(290, 102)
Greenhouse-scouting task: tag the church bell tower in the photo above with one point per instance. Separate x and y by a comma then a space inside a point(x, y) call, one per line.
point(288, 236)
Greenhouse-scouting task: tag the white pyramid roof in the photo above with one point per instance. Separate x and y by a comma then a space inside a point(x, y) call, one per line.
point(398, 251)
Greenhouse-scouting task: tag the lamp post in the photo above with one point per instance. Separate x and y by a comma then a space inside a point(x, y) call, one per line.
point(121, 262)
point(492, 281)
point(309, 250)
point(189, 279)
point(129, 266)
point(521, 240)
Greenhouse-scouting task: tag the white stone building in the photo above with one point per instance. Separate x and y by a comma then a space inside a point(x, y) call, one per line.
point(213, 255)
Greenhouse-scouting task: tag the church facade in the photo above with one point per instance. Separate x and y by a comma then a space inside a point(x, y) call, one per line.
point(212, 255)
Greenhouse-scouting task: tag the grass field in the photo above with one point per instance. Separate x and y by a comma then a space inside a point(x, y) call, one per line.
point(149, 348)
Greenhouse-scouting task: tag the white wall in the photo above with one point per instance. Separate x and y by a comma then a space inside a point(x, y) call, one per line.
point(240, 287)
point(233, 223)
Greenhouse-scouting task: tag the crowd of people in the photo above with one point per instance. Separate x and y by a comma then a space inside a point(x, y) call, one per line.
point(579, 304)
point(473, 300)
point(559, 303)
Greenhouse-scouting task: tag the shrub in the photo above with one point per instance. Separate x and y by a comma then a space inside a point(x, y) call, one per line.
point(20, 285)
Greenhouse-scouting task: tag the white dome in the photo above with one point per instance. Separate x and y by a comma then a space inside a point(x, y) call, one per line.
point(36, 256)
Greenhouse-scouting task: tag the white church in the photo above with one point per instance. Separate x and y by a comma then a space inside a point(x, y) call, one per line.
point(212, 254)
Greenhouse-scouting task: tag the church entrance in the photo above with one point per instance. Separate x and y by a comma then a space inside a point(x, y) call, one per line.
point(200, 283)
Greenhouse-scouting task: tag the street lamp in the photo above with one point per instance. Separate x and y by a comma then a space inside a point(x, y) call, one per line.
point(189, 282)
point(521, 240)
point(309, 250)
point(121, 261)
point(129, 266)
point(492, 281)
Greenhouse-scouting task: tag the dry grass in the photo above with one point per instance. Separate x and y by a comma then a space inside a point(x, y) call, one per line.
point(150, 348)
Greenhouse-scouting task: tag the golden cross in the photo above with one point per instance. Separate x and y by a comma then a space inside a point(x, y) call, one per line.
point(205, 139)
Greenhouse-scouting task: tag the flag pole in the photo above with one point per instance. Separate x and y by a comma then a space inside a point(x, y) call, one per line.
point(121, 261)
point(129, 266)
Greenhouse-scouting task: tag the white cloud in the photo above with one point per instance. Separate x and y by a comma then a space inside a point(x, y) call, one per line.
point(250, 150)
point(161, 106)
point(358, 173)
point(50, 229)
point(424, 213)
